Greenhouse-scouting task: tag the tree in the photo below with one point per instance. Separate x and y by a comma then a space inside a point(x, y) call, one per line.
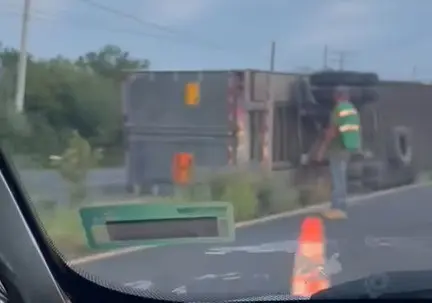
point(62, 95)
point(111, 61)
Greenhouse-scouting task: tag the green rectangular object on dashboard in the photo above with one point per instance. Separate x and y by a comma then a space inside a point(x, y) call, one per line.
point(142, 224)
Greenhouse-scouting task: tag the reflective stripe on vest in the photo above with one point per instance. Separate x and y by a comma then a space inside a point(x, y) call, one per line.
point(349, 127)
point(347, 112)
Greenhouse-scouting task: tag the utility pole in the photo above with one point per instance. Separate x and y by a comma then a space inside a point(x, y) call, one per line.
point(268, 121)
point(22, 64)
point(414, 73)
point(325, 58)
point(272, 56)
point(341, 57)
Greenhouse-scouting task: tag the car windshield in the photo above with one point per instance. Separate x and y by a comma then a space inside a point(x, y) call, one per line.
point(197, 148)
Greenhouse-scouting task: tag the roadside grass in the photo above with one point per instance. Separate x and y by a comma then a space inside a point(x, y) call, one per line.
point(63, 226)
point(253, 194)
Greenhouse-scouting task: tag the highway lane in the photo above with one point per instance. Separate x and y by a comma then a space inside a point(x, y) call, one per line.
point(388, 233)
point(260, 262)
point(102, 184)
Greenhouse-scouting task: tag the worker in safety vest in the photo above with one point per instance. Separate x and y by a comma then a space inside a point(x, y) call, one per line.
point(341, 139)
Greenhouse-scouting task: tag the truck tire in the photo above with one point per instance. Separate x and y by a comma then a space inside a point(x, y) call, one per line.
point(374, 175)
point(356, 187)
point(410, 175)
point(401, 176)
point(400, 151)
point(334, 78)
point(380, 175)
point(326, 92)
point(359, 95)
point(355, 167)
point(355, 170)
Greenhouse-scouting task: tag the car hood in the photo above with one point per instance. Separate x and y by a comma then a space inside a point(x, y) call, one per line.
point(389, 284)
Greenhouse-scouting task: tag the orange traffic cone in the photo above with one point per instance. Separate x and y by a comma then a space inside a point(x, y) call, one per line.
point(309, 263)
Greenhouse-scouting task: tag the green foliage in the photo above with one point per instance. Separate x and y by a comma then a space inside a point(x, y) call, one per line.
point(241, 194)
point(252, 193)
point(313, 185)
point(63, 95)
point(74, 164)
point(276, 194)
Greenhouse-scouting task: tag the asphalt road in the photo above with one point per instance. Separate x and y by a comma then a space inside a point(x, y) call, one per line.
point(384, 233)
point(102, 184)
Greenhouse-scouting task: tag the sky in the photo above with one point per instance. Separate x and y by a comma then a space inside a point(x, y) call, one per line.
point(390, 37)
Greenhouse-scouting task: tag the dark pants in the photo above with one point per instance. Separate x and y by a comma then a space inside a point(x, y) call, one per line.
point(338, 172)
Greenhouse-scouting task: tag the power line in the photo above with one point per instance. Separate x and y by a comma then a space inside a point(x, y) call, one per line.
point(341, 57)
point(41, 15)
point(129, 16)
point(84, 23)
point(176, 36)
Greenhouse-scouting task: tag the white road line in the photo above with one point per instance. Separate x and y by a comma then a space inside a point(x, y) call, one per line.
point(141, 284)
point(207, 277)
point(230, 274)
point(231, 278)
point(180, 290)
point(227, 276)
point(288, 246)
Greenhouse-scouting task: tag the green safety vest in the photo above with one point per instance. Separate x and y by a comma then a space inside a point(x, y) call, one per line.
point(348, 124)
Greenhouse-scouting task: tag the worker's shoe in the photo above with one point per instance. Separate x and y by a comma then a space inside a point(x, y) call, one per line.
point(334, 214)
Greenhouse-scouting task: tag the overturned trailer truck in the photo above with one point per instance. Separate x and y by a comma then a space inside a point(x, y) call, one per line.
point(215, 119)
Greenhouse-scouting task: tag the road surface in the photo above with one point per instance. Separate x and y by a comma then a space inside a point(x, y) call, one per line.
point(389, 232)
point(102, 184)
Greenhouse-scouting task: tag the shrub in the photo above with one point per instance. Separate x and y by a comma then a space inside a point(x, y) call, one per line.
point(243, 197)
point(232, 186)
point(313, 185)
point(276, 194)
point(74, 165)
point(252, 192)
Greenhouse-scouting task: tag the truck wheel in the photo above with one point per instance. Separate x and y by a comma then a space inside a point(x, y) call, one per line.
point(409, 175)
point(369, 94)
point(355, 187)
point(399, 151)
point(334, 78)
point(374, 175)
point(355, 169)
point(359, 95)
point(401, 175)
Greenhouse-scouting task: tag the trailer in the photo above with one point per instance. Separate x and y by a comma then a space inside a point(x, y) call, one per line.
point(214, 119)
